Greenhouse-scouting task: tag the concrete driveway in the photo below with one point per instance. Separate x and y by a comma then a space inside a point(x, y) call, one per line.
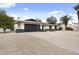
point(34, 43)
point(65, 39)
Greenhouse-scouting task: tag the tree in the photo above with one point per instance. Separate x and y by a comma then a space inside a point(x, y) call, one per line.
point(5, 21)
point(38, 20)
point(77, 9)
point(65, 20)
point(52, 20)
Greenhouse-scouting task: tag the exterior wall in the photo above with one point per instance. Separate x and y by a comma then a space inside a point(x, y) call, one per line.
point(15, 27)
point(47, 27)
point(19, 26)
point(75, 26)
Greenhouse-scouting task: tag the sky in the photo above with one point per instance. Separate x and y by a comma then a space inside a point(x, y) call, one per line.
point(39, 10)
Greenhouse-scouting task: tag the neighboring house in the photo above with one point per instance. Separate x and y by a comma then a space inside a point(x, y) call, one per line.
point(76, 26)
point(31, 25)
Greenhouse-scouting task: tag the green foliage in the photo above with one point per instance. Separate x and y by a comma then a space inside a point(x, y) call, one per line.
point(52, 20)
point(6, 21)
point(65, 20)
point(76, 7)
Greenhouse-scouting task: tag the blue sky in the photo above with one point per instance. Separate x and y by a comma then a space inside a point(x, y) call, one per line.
point(39, 10)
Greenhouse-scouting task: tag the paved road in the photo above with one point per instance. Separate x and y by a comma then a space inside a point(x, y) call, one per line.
point(39, 43)
point(65, 39)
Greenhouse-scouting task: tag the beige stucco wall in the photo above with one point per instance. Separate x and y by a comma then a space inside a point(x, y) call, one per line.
point(19, 26)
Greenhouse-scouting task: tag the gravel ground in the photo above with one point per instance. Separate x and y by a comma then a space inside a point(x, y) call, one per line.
point(39, 43)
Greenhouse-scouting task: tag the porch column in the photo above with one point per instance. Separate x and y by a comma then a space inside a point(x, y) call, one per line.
point(50, 27)
point(43, 28)
point(55, 27)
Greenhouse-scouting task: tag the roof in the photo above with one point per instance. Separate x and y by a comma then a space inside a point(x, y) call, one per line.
point(33, 22)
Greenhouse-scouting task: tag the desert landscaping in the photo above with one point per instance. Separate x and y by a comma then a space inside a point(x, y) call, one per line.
point(31, 43)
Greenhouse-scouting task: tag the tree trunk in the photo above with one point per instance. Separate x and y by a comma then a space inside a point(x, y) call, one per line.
point(4, 30)
point(55, 27)
point(50, 27)
point(42, 28)
point(65, 27)
point(78, 15)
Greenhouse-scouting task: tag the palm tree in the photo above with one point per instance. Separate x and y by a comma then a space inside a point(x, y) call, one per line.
point(65, 20)
point(52, 20)
point(77, 9)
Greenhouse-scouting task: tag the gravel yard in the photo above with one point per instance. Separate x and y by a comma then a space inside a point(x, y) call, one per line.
point(34, 43)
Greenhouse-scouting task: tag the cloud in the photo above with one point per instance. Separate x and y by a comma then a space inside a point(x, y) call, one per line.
point(26, 9)
point(59, 13)
point(56, 12)
point(15, 16)
point(21, 17)
point(7, 5)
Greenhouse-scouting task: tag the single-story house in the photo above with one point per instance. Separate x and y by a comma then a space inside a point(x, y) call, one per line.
point(31, 25)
